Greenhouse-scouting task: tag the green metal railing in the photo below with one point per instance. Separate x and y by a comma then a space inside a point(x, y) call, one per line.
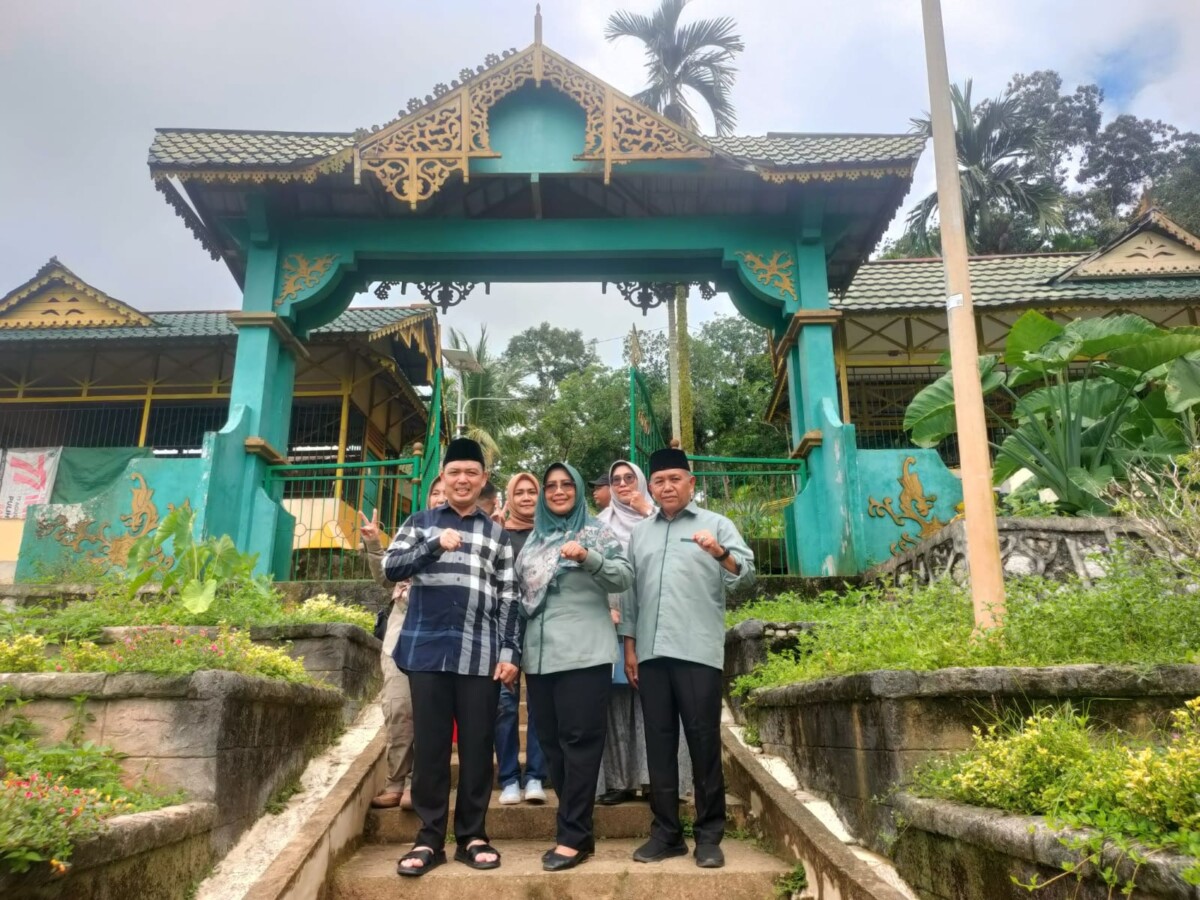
point(754, 493)
point(326, 498)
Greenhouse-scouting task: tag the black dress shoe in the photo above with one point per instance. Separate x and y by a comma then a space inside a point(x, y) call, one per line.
point(615, 798)
point(656, 851)
point(556, 862)
point(709, 856)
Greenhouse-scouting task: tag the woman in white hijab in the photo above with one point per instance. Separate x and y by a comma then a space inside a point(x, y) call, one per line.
point(623, 771)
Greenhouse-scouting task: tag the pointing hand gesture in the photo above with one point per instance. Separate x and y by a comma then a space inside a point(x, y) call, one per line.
point(575, 551)
point(450, 540)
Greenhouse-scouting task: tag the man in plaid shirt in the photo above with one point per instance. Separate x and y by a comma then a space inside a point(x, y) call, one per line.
point(461, 638)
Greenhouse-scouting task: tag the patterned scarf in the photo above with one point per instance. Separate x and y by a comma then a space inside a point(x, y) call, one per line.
point(541, 561)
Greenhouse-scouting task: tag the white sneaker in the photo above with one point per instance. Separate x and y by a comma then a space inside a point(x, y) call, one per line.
point(510, 795)
point(534, 792)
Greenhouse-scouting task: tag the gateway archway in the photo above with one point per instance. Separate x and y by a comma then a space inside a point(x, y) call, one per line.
point(531, 169)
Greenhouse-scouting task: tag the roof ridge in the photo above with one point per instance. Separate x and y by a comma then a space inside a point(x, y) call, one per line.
point(273, 131)
point(982, 256)
point(876, 134)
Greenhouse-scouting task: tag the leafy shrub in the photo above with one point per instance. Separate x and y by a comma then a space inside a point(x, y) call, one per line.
point(170, 651)
point(1132, 798)
point(326, 609)
point(24, 653)
point(51, 796)
point(1141, 613)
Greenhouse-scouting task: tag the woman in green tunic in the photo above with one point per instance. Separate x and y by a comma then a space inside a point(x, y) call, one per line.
point(569, 566)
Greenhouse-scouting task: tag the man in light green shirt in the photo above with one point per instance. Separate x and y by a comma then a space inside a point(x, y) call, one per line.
point(673, 622)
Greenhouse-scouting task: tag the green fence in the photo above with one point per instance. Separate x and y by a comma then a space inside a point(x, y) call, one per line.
point(755, 494)
point(326, 498)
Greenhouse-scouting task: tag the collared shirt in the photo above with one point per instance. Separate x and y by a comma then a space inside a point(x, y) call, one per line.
point(677, 606)
point(463, 607)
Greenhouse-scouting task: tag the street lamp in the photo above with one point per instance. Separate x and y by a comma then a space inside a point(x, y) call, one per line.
point(461, 361)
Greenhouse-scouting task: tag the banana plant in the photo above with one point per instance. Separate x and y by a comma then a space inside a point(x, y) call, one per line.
point(198, 568)
point(1084, 399)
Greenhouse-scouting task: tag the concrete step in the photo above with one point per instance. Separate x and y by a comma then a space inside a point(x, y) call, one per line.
point(749, 874)
point(525, 821)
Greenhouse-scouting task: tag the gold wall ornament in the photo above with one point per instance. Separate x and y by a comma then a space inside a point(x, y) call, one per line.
point(774, 272)
point(414, 156)
point(914, 506)
point(301, 273)
point(307, 173)
point(141, 520)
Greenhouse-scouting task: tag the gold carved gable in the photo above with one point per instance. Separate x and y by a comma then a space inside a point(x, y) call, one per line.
point(415, 155)
point(1148, 254)
point(57, 298)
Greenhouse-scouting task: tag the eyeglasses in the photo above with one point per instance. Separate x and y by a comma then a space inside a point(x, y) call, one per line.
point(624, 479)
point(559, 486)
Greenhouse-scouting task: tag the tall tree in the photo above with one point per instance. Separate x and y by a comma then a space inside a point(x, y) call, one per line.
point(545, 355)
point(682, 60)
point(995, 139)
point(491, 407)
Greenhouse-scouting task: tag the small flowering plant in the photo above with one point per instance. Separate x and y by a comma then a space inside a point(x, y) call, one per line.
point(53, 795)
point(178, 651)
point(41, 816)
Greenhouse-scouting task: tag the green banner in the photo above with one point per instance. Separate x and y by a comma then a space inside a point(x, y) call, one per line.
point(84, 472)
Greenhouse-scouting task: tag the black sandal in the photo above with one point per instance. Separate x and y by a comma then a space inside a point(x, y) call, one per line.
point(429, 859)
point(470, 856)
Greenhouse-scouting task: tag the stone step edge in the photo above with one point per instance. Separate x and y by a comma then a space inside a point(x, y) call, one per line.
point(785, 825)
point(332, 833)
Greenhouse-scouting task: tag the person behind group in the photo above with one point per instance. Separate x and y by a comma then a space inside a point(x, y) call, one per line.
point(522, 497)
point(624, 771)
point(488, 499)
point(460, 639)
point(395, 697)
point(601, 492)
point(684, 559)
point(568, 568)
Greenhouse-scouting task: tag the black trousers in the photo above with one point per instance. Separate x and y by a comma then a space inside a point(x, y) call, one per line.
point(438, 699)
point(671, 691)
point(570, 713)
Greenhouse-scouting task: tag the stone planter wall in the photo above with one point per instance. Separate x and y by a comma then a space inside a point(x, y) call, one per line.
point(157, 855)
point(855, 739)
point(353, 592)
point(341, 656)
point(223, 738)
point(1057, 547)
point(948, 851)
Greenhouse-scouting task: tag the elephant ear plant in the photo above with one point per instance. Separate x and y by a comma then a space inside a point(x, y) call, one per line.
point(1084, 401)
point(196, 569)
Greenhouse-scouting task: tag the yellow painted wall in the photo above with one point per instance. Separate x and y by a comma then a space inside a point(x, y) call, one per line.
point(10, 544)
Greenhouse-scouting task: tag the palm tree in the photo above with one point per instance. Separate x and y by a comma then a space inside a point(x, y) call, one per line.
point(489, 396)
point(993, 139)
point(682, 60)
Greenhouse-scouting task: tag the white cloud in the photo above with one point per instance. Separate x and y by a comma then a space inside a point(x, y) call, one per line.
point(90, 81)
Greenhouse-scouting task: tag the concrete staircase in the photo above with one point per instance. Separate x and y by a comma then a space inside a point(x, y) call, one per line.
point(522, 833)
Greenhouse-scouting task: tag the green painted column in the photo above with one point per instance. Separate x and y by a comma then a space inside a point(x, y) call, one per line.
point(260, 406)
point(823, 517)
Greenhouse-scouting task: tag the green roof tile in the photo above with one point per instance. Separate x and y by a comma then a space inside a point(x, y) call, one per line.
point(202, 148)
point(177, 326)
point(1000, 281)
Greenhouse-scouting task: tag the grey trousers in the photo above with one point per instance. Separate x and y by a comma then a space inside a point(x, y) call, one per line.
point(396, 699)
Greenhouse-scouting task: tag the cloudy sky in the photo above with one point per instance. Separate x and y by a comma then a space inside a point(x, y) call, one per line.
point(83, 84)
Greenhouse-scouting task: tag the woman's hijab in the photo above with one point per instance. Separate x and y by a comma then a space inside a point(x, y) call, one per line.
point(513, 520)
point(541, 561)
point(621, 517)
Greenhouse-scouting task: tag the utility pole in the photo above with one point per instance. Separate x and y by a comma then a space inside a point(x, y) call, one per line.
point(673, 370)
point(983, 539)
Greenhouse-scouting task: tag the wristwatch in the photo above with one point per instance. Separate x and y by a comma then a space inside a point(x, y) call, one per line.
point(724, 556)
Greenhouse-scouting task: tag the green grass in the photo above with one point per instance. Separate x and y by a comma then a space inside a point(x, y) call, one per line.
point(1141, 614)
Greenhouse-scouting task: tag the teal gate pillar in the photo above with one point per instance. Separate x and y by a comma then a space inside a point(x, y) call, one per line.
point(821, 518)
point(256, 433)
